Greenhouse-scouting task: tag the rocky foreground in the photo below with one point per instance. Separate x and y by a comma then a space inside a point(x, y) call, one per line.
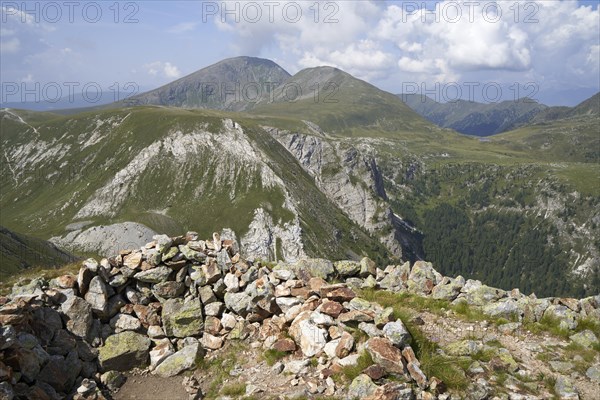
point(176, 305)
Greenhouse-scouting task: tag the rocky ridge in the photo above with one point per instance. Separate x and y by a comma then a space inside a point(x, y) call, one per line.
point(176, 301)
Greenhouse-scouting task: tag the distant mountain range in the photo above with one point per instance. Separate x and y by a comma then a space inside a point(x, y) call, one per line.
point(321, 164)
point(486, 119)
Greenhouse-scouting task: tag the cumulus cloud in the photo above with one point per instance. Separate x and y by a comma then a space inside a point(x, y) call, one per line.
point(549, 42)
point(162, 69)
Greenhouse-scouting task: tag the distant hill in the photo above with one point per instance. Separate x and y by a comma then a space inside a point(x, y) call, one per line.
point(18, 251)
point(472, 118)
point(588, 107)
point(234, 84)
point(339, 102)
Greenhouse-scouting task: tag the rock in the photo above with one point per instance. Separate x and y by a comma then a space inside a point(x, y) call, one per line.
point(448, 288)
point(206, 294)
point(8, 336)
point(348, 361)
point(168, 290)
point(308, 336)
point(585, 338)
point(463, 348)
point(561, 366)
point(375, 372)
point(409, 356)
point(6, 391)
point(162, 349)
point(87, 386)
point(566, 316)
point(422, 278)
point(79, 316)
point(133, 260)
point(163, 243)
point(331, 308)
point(285, 344)
point(182, 319)
point(383, 317)
point(347, 269)
point(211, 342)
point(185, 359)
point(124, 322)
point(295, 366)
point(593, 373)
point(564, 389)
point(113, 380)
point(124, 351)
point(61, 372)
point(283, 274)
point(154, 275)
point(361, 387)
point(345, 345)
point(367, 267)
point(211, 272)
point(64, 282)
point(155, 332)
point(232, 283)
point(418, 376)
point(313, 267)
point(384, 353)
point(214, 309)
point(505, 308)
point(369, 283)
point(97, 295)
point(397, 333)
point(191, 255)
point(239, 303)
point(370, 329)
point(148, 315)
point(393, 391)
point(480, 295)
point(286, 303)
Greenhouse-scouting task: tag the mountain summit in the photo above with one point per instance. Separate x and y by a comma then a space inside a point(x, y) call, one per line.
point(233, 84)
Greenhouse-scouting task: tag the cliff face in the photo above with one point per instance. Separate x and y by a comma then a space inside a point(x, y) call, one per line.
point(182, 304)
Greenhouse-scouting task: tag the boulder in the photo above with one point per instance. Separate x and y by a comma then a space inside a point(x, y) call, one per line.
point(347, 269)
point(361, 387)
point(585, 338)
point(384, 353)
point(97, 295)
point(154, 275)
point(182, 319)
point(79, 317)
point(422, 278)
point(564, 389)
point(183, 360)
point(396, 333)
point(504, 308)
point(124, 351)
point(367, 267)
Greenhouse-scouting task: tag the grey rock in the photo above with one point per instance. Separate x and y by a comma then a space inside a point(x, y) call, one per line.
point(183, 360)
point(79, 316)
point(396, 333)
point(182, 319)
point(124, 351)
point(154, 275)
point(361, 387)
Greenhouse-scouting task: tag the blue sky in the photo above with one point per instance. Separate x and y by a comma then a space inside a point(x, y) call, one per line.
point(550, 49)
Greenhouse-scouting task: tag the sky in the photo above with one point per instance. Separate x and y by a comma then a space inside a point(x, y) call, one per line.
point(476, 50)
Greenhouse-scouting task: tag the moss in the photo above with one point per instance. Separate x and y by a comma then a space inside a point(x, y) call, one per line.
point(271, 356)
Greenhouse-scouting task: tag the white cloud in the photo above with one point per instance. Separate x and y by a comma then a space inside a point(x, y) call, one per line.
point(183, 27)
point(11, 45)
point(162, 69)
point(27, 79)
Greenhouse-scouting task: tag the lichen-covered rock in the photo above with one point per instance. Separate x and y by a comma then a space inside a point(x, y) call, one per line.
point(505, 308)
point(239, 303)
point(463, 348)
point(479, 295)
point(183, 360)
point(347, 269)
point(309, 268)
point(422, 278)
point(182, 319)
point(124, 351)
point(97, 295)
point(585, 338)
point(448, 288)
point(154, 275)
point(566, 316)
point(361, 387)
point(367, 267)
point(565, 390)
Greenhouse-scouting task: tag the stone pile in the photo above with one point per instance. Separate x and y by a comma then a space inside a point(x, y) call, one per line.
point(162, 307)
point(422, 279)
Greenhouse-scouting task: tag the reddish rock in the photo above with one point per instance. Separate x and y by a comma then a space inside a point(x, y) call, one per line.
point(391, 391)
point(316, 284)
point(384, 353)
point(436, 385)
point(355, 316)
point(332, 308)
point(147, 315)
point(132, 260)
point(302, 292)
point(418, 375)
point(409, 356)
point(345, 345)
point(286, 344)
point(374, 372)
